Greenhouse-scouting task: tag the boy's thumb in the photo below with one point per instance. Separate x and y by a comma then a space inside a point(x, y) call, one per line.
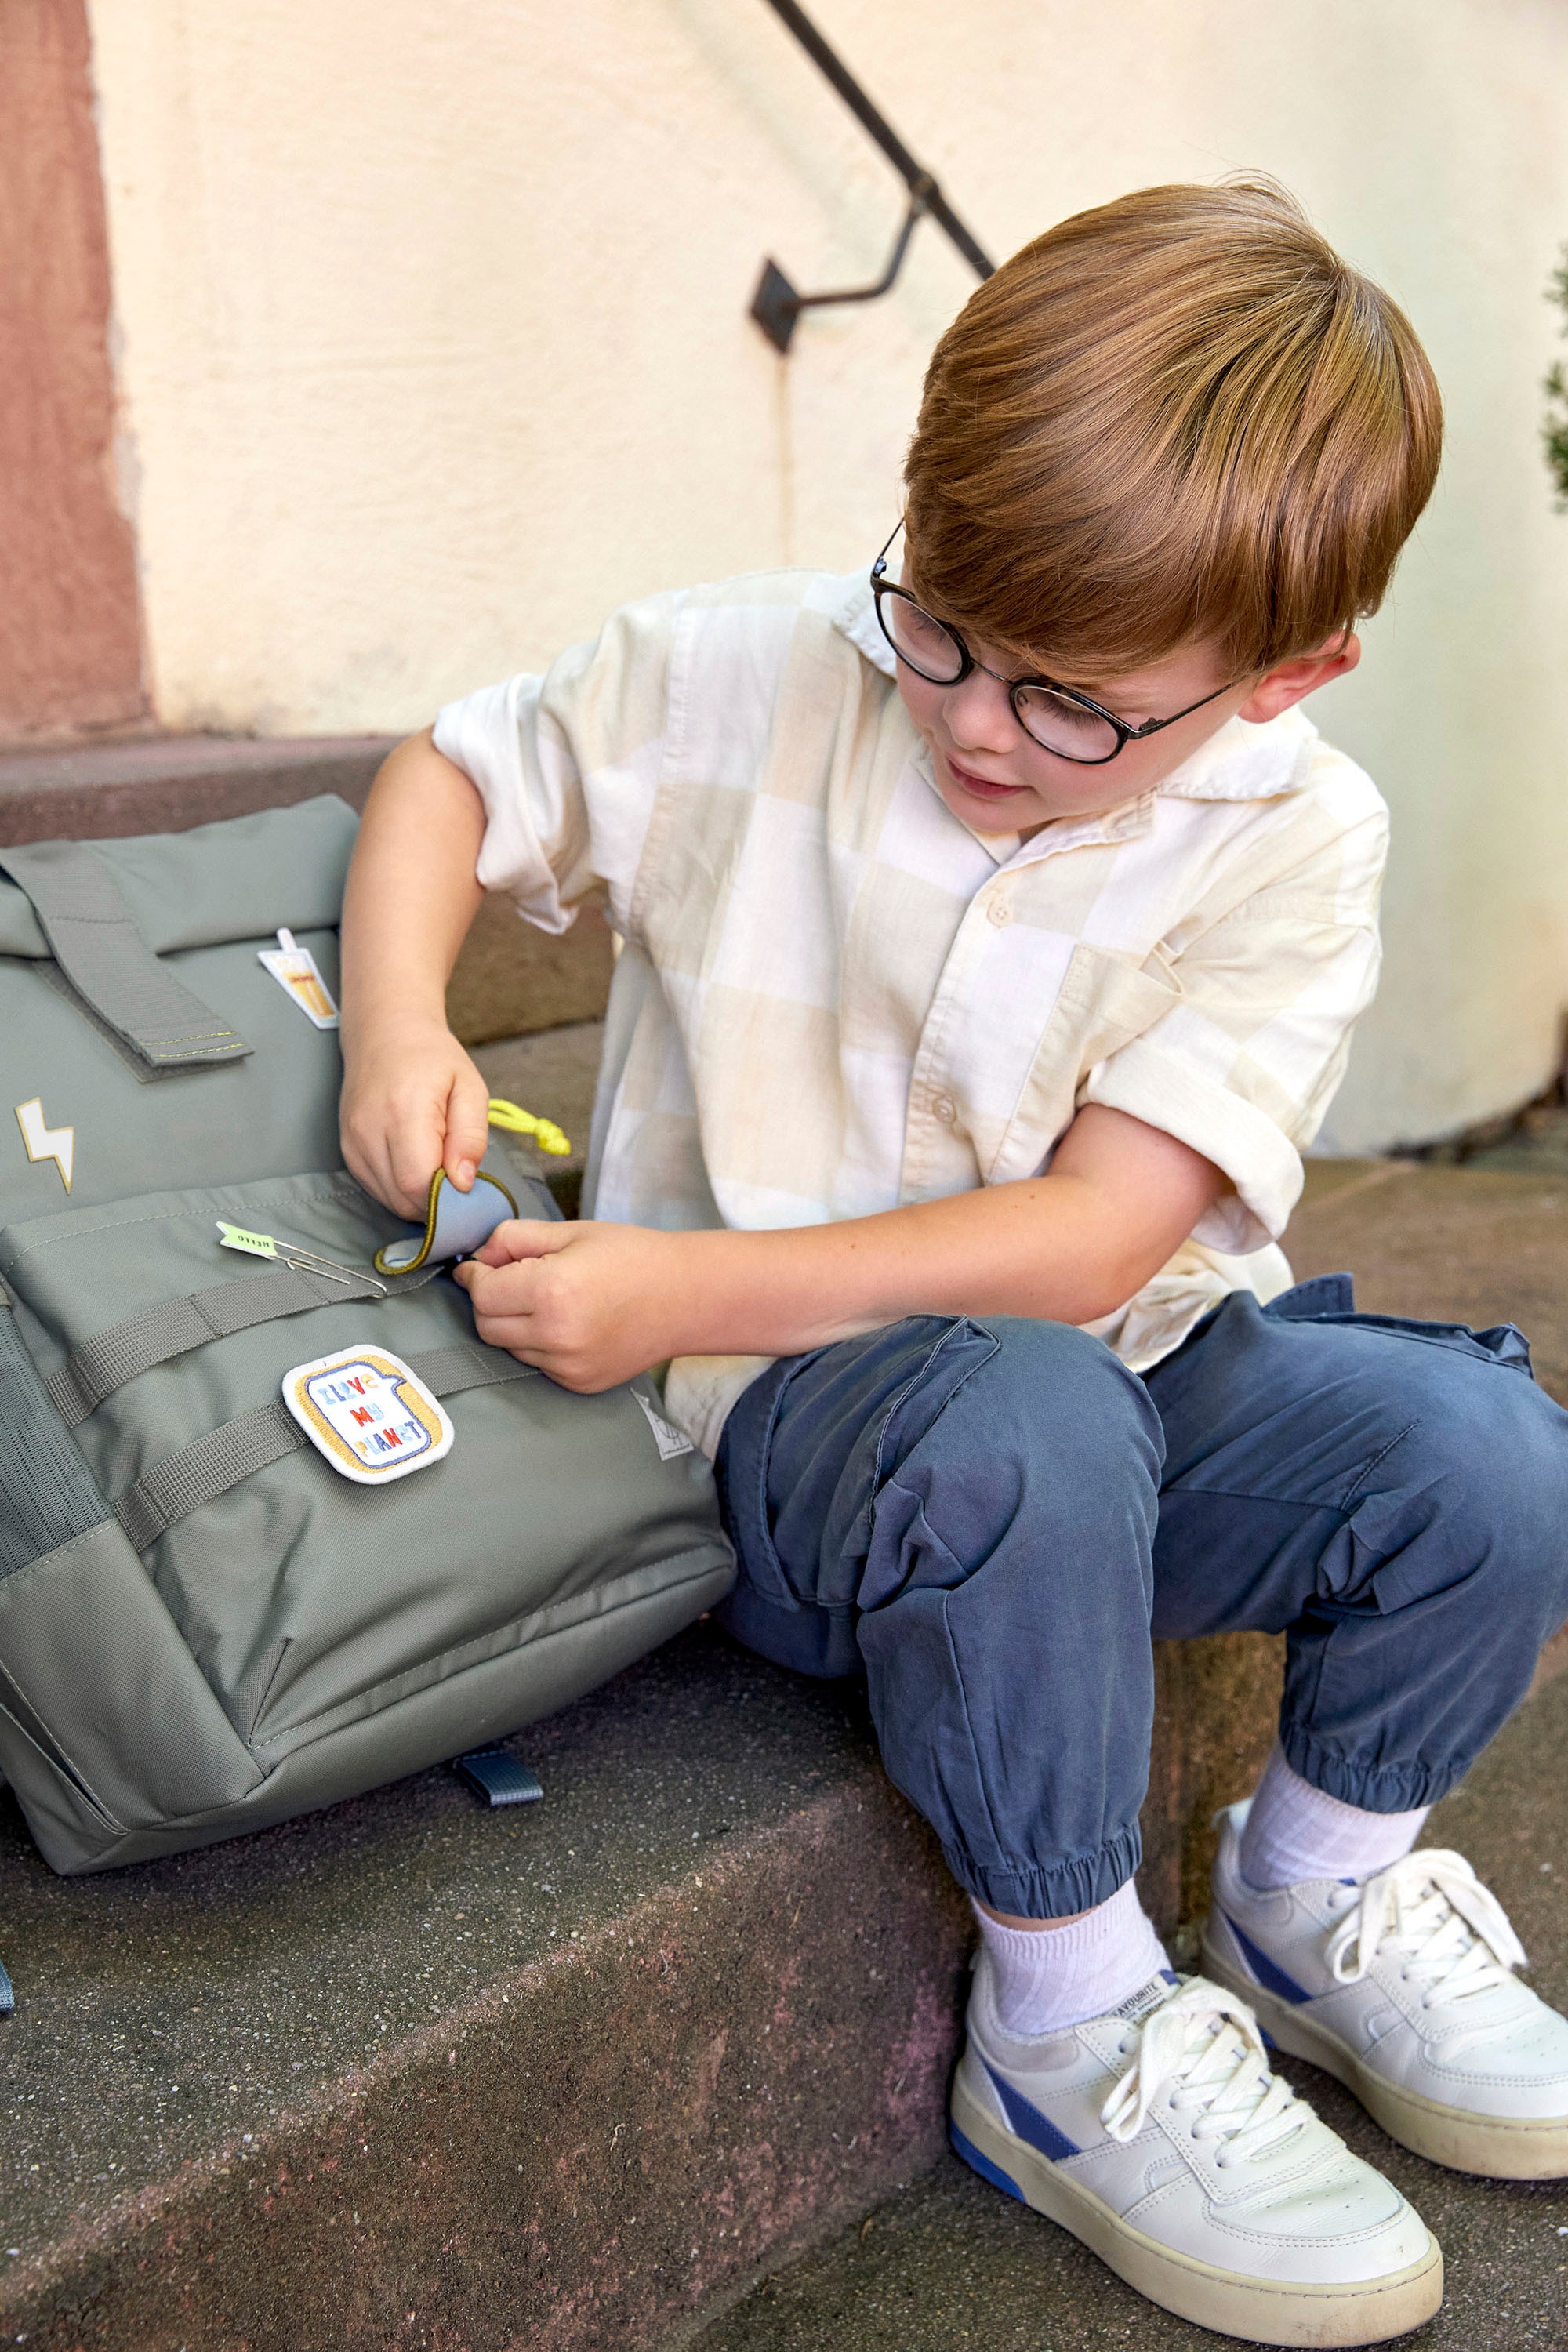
point(468, 1128)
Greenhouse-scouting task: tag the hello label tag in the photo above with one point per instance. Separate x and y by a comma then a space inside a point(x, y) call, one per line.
point(372, 1418)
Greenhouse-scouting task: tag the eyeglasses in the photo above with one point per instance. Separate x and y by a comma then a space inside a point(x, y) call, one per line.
point(1057, 717)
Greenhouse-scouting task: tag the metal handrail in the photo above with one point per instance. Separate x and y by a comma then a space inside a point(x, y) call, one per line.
point(777, 306)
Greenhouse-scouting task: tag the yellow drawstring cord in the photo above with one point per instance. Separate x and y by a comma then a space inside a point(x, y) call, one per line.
point(515, 1120)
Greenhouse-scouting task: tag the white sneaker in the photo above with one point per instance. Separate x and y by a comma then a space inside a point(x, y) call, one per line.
point(1404, 1987)
point(1159, 2136)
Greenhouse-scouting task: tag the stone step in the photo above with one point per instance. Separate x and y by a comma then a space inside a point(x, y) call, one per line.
point(96, 790)
point(949, 2261)
point(510, 978)
point(413, 2073)
point(410, 2072)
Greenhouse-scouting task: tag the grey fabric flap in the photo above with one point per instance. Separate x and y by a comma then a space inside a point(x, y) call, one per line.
point(83, 914)
point(236, 880)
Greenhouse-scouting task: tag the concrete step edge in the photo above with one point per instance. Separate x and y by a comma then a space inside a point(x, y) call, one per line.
point(168, 783)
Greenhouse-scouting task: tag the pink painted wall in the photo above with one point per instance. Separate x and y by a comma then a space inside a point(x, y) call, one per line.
point(70, 650)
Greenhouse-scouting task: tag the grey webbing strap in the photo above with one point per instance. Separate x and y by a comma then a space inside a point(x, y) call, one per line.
point(110, 1358)
point(106, 1361)
point(205, 1469)
point(199, 1473)
point(87, 922)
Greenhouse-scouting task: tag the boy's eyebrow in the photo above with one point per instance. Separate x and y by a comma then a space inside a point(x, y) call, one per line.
point(1028, 665)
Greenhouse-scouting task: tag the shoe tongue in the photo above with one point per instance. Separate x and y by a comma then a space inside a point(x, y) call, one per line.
point(1158, 1989)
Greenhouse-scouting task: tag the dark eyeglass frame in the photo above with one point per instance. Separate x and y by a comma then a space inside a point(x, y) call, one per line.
point(882, 586)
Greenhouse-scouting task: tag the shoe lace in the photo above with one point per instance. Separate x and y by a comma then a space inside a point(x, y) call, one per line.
point(1207, 2043)
point(1450, 1934)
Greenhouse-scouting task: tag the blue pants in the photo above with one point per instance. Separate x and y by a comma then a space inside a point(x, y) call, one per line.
point(989, 1520)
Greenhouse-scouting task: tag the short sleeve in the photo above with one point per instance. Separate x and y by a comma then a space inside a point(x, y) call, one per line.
point(566, 763)
point(1244, 1067)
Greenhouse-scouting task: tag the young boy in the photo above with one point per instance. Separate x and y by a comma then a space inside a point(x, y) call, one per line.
point(993, 937)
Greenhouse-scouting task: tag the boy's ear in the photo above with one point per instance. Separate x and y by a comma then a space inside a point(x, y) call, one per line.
point(1288, 682)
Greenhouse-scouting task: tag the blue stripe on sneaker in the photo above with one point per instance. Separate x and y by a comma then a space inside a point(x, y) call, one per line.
point(984, 2166)
point(1029, 2122)
point(1272, 1977)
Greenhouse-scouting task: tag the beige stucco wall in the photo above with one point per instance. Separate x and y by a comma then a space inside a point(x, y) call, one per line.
point(433, 346)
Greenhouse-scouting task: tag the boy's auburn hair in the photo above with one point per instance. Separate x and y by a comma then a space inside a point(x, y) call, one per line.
point(1180, 418)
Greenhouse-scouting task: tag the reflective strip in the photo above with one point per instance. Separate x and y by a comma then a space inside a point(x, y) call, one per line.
point(199, 1473)
point(87, 922)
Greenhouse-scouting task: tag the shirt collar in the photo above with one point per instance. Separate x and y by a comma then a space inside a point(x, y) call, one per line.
point(855, 616)
point(1247, 763)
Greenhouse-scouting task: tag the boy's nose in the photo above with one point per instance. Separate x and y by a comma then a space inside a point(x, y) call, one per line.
point(979, 715)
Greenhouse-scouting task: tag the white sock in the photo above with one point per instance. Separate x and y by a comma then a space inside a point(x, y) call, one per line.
point(1048, 1979)
point(1295, 1832)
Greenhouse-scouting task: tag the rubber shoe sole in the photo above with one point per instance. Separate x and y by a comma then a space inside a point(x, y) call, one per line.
point(1258, 2310)
point(1492, 2146)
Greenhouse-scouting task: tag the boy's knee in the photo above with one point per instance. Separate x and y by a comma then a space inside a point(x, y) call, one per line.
point(1485, 1468)
point(1045, 1436)
point(1048, 1393)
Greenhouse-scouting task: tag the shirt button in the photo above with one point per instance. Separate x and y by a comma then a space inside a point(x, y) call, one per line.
point(944, 1109)
point(999, 911)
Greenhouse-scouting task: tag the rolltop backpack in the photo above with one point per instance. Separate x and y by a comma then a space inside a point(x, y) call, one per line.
point(205, 1626)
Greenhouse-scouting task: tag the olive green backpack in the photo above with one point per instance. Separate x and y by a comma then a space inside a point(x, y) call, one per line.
point(203, 1626)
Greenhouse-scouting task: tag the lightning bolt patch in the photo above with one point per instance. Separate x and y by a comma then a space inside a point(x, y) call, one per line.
point(55, 1143)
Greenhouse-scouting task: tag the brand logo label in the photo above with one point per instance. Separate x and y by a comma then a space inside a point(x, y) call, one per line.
point(55, 1143)
point(671, 1442)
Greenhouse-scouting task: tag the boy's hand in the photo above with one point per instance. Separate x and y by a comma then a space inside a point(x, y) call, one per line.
point(591, 1304)
point(413, 1102)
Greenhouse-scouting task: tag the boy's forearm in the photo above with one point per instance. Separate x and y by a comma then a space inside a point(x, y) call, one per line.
point(412, 892)
point(1069, 1247)
point(1034, 1248)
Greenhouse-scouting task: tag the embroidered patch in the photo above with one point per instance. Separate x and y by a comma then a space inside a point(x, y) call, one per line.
point(370, 1417)
point(671, 1442)
point(294, 969)
point(55, 1143)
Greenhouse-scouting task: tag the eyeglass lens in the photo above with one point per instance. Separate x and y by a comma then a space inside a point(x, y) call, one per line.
point(1056, 721)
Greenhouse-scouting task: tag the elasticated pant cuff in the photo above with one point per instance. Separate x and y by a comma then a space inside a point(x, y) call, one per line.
point(1057, 1891)
point(1376, 1787)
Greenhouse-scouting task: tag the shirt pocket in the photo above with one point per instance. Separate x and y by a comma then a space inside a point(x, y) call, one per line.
point(1103, 1003)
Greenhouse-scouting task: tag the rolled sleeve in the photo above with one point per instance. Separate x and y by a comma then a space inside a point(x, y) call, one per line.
point(565, 762)
point(1244, 1067)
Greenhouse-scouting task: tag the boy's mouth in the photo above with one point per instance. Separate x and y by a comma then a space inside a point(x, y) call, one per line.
point(981, 787)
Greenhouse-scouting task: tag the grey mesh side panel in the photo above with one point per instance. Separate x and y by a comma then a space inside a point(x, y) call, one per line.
point(47, 1494)
point(199, 1473)
point(110, 1358)
point(82, 913)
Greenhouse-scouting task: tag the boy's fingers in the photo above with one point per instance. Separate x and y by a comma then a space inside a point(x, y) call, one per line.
point(519, 1238)
point(369, 1161)
point(501, 1295)
point(413, 1146)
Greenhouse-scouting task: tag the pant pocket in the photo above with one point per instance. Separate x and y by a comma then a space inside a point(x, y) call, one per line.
point(1331, 1298)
